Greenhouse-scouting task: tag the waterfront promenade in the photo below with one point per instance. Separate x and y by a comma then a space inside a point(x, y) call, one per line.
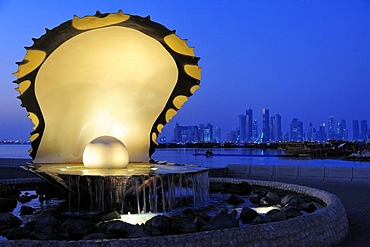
point(353, 194)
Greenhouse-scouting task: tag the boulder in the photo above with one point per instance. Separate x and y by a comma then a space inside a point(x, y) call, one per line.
point(273, 197)
point(308, 207)
point(45, 227)
point(138, 231)
point(247, 215)
point(292, 200)
point(24, 198)
point(25, 210)
point(119, 228)
point(17, 233)
point(264, 202)
point(221, 221)
point(181, 225)
point(106, 216)
point(76, 229)
point(7, 190)
point(260, 220)
point(7, 204)
point(8, 220)
point(291, 211)
point(276, 215)
point(242, 188)
point(255, 198)
point(234, 199)
point(158, 225)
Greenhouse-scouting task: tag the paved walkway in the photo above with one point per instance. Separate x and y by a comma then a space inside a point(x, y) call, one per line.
point(355, 197)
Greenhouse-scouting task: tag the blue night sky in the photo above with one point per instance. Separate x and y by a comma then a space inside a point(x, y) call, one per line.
point(303, 59)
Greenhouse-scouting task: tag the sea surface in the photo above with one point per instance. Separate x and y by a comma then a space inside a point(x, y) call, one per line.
point(247, 156)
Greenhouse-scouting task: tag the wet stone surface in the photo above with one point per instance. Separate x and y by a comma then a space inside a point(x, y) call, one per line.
point(230, 206)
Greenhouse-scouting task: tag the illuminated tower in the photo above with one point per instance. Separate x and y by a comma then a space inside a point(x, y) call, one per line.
point(249, 125)
point(265, 125)
point(356, 130)
point(331, 129)
point(242, 128)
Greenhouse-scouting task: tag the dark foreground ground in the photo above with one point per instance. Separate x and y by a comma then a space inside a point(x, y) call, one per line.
point(355, 197)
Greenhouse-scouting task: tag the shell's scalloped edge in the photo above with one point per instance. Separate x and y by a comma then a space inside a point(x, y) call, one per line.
point(325, 227)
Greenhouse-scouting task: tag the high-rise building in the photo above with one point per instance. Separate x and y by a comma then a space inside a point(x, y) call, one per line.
point(184, 134)
point(276, 134)
point(296, 130)
point(231, 137)
point(321, 134)
point(249, 125)
point(311, 133)
point(356, 131)
point(255, 130)
point(242, 128)
point(201, 133)
point(331, 129)
point(364, 131)
point(218, 135)
point(265, 125)
point(208, 133)
point(341, 132)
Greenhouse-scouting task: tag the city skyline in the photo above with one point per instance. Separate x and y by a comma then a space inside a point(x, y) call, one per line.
point(304, 60)
point(294, 130)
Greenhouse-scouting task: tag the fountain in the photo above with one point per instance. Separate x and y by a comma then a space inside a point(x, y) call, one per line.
point(99, 90)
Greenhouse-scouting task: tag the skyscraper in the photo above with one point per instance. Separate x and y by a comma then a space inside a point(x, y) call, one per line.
point(218, 135)
point(356, 131)
point(310, 133)
point(276, 128)
point(242, 128)
point(296, 130)
point(208, 133)
point(364, 131)
point(255, 130)
point(265, 125)
point(331, 131)
point(249, 125)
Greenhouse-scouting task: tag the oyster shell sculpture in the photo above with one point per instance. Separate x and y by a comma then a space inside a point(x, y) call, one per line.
point(112, 80)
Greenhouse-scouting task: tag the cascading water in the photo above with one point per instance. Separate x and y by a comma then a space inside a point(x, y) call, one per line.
point(132, 190)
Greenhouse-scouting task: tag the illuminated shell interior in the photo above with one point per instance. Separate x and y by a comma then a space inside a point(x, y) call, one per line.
point(113, 75)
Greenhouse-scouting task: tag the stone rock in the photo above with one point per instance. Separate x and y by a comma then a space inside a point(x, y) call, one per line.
point(158, 225)
point(106, 216)
point(247, 215)
point(25, 210)
point(292, 200)
point(199, 222)
point(255, 198)
point(8, 220)
point(76, 229)
point(260, 220)
point(276, 215)
point(291, 211)
point(234, 213)
point(181, 225)
point(273, 197)
point(262, 191)
point(119, 228)
point(221, 221)
point(7, 204)
point(308, 207)
point(138, 231)
point(242, 188)
point(194, 214)
point(7, 190)
point(45, 227)
point(264, 202)
point(24, 199)
point(17, 233)
point(234, 200)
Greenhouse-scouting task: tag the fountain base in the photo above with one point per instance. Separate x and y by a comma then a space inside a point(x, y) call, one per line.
point(139, 188)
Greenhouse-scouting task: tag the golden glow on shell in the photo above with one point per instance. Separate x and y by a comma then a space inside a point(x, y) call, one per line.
point(160, 127)
point(194, 88)
point(33, 137)
point(90, 22)
point(34, 120)
point(179, 101)
point(178, 45)
point(169, 114)
point(33, 59)
point(23, 86)
point(154, 138)
point(193, 71)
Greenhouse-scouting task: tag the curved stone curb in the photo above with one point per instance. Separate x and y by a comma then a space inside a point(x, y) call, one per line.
point(325, 227)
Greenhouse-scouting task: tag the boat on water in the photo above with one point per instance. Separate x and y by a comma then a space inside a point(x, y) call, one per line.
point(314, 149)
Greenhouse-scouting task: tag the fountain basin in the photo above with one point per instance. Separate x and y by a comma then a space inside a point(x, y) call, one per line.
point(139, 188)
